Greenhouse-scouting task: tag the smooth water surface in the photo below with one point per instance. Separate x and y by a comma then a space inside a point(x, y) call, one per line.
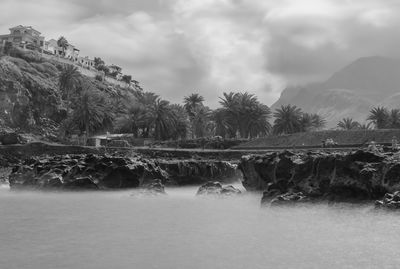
point(117, 230)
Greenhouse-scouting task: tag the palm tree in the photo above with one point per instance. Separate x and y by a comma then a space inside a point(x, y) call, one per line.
point(379, 117)
point(348, 124)
point(134, 120)
point(92, 112)
point(148, 101)
point(68, 81)
point(287, 120)
point(365, 126)
point(394, 119)
point(192, 102)
point(62, 43)
point(230, 108)
point(244, 115)
point(220, 119)
point(164, 119)
point(200, 120)
point(317, 121)
point(181, 122)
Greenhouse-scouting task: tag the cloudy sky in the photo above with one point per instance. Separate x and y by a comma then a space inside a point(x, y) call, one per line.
point(176, 47)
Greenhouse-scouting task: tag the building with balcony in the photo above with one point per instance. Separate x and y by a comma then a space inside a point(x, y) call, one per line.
point(70, 52)
point(25, 37)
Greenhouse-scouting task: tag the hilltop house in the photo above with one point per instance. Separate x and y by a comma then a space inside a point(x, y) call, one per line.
point(86, 62)
point(70, 52)
point(24, 36)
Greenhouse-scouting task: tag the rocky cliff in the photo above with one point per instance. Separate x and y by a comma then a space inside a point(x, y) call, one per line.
point(338, 176)
point(100, 172)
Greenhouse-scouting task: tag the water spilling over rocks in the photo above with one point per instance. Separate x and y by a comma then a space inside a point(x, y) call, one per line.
point(338, 176)
point(99, 172)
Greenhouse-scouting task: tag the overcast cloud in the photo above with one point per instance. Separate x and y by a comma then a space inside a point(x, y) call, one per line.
point(178, 47)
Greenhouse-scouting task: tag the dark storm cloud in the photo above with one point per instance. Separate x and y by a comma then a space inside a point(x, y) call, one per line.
point(177, 47)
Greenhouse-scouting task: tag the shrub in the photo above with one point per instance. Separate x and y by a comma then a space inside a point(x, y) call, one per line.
point(46, 68)
point(29, 56)
point(99, 77)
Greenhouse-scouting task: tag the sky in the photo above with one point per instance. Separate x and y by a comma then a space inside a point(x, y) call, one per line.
point(179, 47)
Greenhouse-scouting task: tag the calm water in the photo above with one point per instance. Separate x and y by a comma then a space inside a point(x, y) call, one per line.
point(116, 230)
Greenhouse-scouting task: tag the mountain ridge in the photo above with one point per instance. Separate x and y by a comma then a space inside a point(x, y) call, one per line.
point(349, 92)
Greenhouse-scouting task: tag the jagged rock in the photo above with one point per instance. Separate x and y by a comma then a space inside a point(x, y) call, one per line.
point(216, 188)
point(154, 188)
point(113, 172)
point(81, 172)
point(289, 198)
point(189, 172)
point(337, 176)
point(80, 183)
point(389, 201)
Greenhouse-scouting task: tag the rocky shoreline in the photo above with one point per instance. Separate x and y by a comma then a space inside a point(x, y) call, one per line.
point(105, 172)
point(287, 177)
point(283, 177)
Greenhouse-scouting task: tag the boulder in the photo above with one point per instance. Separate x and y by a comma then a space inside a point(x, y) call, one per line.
point(154, 188)
point(289, 198)
point(389, 201)
point(216, 188)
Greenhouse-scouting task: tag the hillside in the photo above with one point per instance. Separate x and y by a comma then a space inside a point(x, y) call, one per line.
point(350, 92)
point(30, 99)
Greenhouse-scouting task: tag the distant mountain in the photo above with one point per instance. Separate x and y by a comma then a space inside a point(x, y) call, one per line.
point(350, 92)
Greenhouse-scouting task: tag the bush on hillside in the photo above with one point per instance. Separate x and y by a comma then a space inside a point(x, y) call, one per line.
point(29, 56)
point(24, 66)
point(46, 68)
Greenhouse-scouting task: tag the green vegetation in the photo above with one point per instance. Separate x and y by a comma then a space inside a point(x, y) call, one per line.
point(379, 117)
point(291, 119)
point(77, 104)
point(62, 42)
point(348, 124)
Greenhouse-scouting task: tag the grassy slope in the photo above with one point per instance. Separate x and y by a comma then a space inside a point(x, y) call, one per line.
point(315, 138)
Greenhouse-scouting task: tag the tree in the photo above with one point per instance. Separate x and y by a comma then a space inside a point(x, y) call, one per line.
point(379, 116)
point(288, 120)
point(181, 122)
point(192, 102)
point(104, 68)
point(133, 121)
point(127, 79)
point(164, 119)
point(348, 124)
point(365, 126)
point(68, 81)
point(98, 62)
point(317, 121)
point(92, 112)
point(394, 119)
point(244, 115)
point(63, 44)
point(220, 119)
point(200, 121)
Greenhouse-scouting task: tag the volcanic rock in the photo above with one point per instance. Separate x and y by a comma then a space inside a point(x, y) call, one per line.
point(216, 188)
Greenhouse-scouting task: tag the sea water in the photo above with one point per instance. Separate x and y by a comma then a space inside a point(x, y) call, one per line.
point(179, 230)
